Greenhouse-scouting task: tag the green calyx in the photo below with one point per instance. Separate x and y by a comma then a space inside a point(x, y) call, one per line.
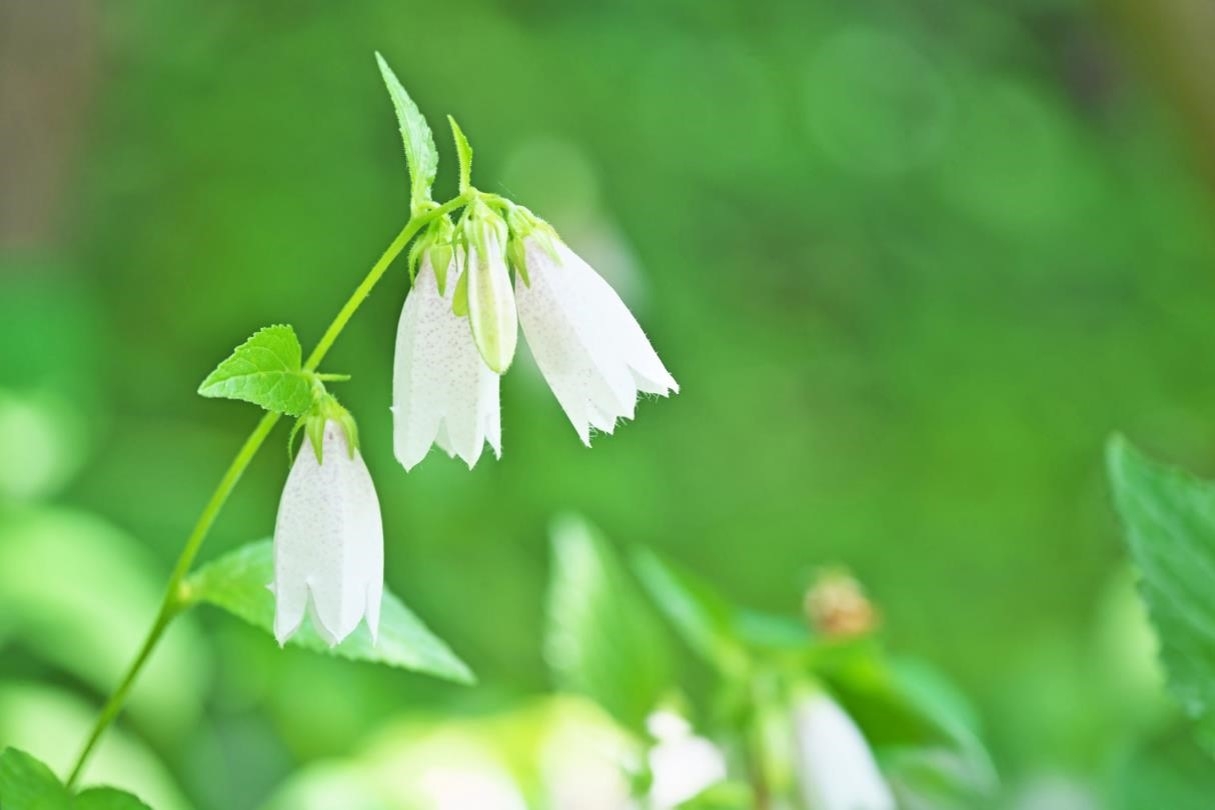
point(437, 243)
point(325, 408)
point(524, 225)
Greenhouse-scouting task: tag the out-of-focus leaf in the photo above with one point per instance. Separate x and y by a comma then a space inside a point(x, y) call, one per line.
point(265, 370)
point(52, 725)
point(704, 620)
point(925, 688)
point(1172, 772)
point(43, 437)
point(1170, 526)
point(107, 798)
point(772, 631)
point(601, 639)
point(899, 705)
point(420, 152)
point(28, 784)
point(81, 594)
point(938, 779)
point(922, 727)
point(237, 583)
point(732, 795)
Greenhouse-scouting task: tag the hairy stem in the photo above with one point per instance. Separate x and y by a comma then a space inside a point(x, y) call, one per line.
point(173, 603)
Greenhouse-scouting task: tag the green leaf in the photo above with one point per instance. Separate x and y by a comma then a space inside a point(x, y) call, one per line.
point(1170, 526)
point(1171, 772)
point(28, 784)
point(939, 779)
point(730, 795)
point(50, 723)
point(420, 152)
point(107, 798)
point(701, 617)
point(464, 153)
point(265, 370)
point(601, 638)
point(237, 583)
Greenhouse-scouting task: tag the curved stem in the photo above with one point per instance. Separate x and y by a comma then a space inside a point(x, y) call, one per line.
point(361, 292)
point(173, 602)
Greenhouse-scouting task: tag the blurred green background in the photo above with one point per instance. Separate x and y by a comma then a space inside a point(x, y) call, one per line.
point(911, 263)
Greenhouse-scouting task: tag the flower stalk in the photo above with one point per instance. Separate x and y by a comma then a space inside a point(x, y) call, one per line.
point(174, 600)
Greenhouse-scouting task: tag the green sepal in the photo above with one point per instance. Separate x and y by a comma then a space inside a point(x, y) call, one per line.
point(415, 257)
point(464, 153)
point(459, 301)
point(440, 259)
point(325, 409)
point(442, 234)
point(295, 430)
point(523, 224)
point(518, 258)
point(314, 430)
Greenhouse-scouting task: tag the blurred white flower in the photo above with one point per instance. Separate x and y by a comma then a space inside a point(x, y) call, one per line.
point(586, 759)
point(589, 347)
point(834, 765)
point(682, 764)
point(457, 788)
point(328, 543)
point(443, 393)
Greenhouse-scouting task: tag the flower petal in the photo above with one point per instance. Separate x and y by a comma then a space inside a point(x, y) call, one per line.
point(442, 390)
point(835, 768)
point(616, 321)
point(591, 350)
point(328, 543)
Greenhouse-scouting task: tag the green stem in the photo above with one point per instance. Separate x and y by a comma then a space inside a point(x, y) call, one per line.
point(364, 289)
point(174, 601)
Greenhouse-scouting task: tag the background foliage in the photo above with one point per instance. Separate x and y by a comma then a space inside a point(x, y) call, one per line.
point(911, 264)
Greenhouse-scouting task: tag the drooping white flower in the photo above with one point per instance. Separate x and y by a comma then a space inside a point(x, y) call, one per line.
point(589, 347)
point(835, 767)
point(443, 392)
point(328, 543)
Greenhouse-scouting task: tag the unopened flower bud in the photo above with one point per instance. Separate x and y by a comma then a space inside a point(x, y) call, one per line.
point(836, 606)
point(486, 280)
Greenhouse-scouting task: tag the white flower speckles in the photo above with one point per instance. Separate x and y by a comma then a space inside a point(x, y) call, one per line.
point(835, 768)
point(589, 347)
point(442, 390)
point(328, 543)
